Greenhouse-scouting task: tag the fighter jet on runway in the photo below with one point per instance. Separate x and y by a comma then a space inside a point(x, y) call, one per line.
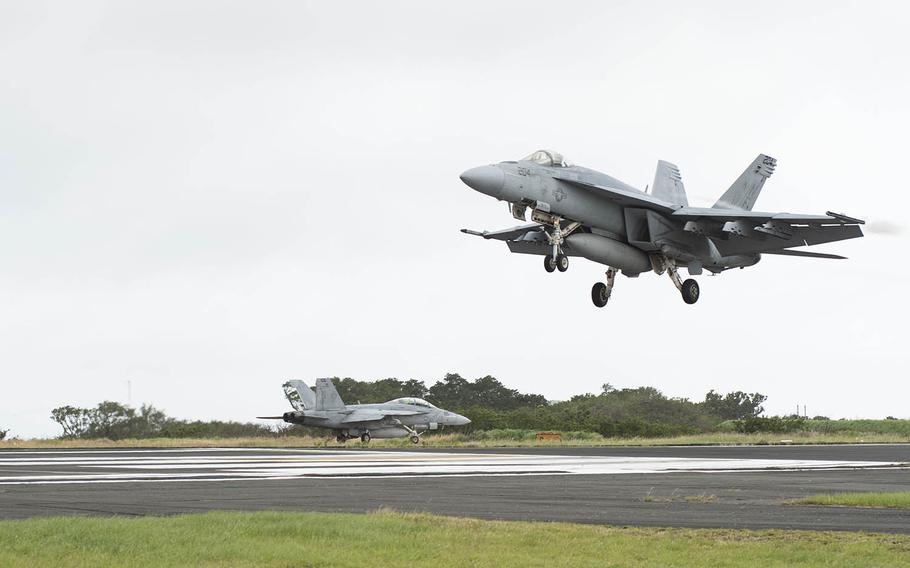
point(577, 211)
point(393, 419)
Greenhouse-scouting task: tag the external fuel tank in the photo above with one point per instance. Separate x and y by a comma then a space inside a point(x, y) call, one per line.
point(610, 252)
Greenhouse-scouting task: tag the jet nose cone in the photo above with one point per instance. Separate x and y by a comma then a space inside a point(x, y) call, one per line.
point(485, 179)
point(460, 420)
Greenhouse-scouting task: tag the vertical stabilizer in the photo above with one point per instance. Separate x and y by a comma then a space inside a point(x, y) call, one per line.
point(744, 191)
point(299, 395)
point(668, 185)
point(326, 396)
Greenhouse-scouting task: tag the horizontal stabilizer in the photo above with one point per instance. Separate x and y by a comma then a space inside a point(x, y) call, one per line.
point(806, 254)
point(270, 417)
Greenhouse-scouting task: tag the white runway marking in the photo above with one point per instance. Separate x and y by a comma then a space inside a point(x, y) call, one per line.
point(213, 464)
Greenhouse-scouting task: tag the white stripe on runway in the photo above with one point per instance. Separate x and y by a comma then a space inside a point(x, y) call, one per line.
point(99, 466)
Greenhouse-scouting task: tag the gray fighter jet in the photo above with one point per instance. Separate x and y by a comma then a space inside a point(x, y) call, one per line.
point(577, 211)
point(393, 419)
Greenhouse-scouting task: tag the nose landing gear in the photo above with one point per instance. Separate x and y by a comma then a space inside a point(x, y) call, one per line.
point(414, 434)
point(559, 262)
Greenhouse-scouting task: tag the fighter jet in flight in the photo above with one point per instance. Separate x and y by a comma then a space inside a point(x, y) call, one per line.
point(577, 211)
point(393, 419)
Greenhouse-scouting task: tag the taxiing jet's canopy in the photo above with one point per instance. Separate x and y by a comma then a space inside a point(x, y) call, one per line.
point(412, 401)
point(546, 158)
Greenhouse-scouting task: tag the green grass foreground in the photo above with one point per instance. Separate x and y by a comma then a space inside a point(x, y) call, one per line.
point(397, 539)
point(896, 500)
point(519, 439)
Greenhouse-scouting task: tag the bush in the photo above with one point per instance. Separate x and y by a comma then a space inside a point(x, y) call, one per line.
point(770, 424)
point(3, 434)
point(885, 426)
point(727, 426)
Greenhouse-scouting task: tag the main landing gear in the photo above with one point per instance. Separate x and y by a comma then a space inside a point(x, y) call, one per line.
point(600, 293)
point(342, 438)
point(688, 288)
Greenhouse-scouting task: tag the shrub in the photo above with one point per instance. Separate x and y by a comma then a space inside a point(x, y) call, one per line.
point(770, 424)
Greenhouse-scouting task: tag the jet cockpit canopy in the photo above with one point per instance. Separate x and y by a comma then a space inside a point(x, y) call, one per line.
point(546, 158)
point(412, 401)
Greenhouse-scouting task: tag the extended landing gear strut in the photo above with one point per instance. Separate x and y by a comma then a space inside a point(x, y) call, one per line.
point(558, 260)
point(688, 288)
point(600, 293)
point(414, 434)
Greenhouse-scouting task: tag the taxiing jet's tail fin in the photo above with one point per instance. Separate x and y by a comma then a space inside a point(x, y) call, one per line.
point(299, 395)
point(668, 184)
point(326, 396)
point(744, 191)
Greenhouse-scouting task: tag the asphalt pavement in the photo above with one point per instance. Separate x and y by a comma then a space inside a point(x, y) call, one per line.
point(741, 487)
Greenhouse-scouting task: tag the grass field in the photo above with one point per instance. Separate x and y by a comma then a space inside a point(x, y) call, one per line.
point(462, 441)
point(896, 500)
point(396, 539)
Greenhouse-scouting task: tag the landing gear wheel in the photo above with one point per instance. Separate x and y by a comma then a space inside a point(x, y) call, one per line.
point(549, 263)
point(689, 291)
point(600, 295)
point(562, 262)
point(415, 439)
point(365, 437)
point(340, 439)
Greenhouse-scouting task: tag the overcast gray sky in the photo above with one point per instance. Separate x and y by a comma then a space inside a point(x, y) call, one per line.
point(208, 198)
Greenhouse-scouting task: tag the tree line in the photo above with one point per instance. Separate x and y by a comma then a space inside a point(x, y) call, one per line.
point(641, 411)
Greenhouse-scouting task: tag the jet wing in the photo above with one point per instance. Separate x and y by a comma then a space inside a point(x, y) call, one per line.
point(623, 197)
point(697, 213)
point(747, 232)
point(373, 414)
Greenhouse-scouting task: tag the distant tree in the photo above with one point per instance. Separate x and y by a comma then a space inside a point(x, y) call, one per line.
point(456, 392)
point(353, 391)
point(110, 420)
point(74, 421)
point(3, 434)
point(453, 391)
point(735, 405)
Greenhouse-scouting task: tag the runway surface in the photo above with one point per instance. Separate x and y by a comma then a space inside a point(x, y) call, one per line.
point(663, 486)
